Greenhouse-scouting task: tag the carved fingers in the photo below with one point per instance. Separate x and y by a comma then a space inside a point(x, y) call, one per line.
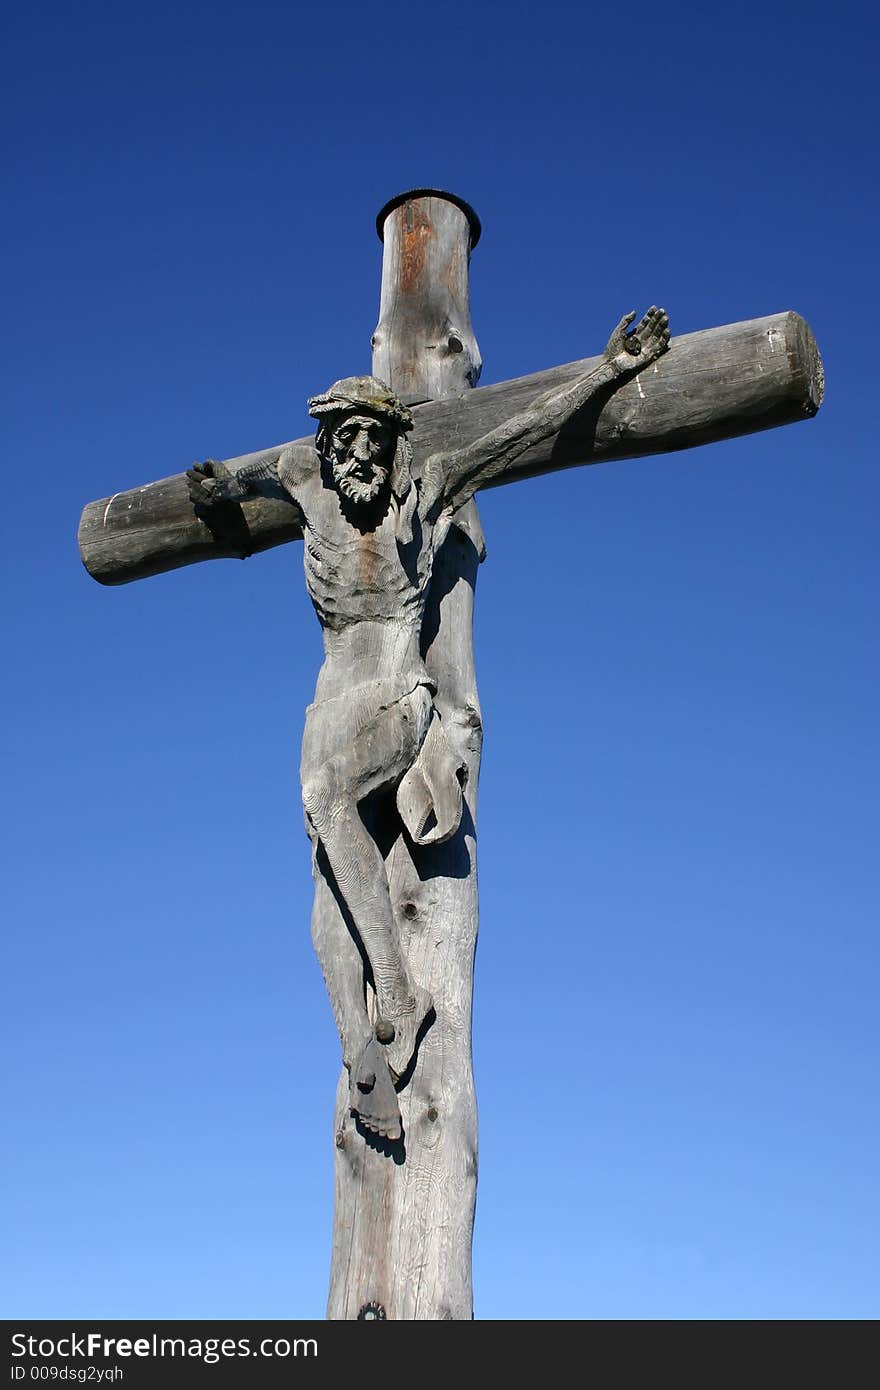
point(630, 352)
point(651, 337)
point(201, 483)
point(209, 483)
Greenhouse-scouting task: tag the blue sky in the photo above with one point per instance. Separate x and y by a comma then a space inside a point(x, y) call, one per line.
point(677, 967)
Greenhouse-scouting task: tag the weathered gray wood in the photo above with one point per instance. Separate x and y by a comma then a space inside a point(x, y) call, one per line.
point(397, 945)
point(403, 1229)
point(149, 530)
point(423, 343)
point(714, 384)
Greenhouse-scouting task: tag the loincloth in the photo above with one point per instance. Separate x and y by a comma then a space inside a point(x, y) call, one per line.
point(343, 717)
point(429, 793)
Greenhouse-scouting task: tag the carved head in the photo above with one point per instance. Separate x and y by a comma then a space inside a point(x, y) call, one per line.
point(362, 438)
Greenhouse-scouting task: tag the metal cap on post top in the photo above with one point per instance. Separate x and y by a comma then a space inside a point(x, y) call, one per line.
point(473, 220)
point(432, 354)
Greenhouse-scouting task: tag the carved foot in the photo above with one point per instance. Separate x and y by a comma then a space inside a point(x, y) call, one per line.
point(373, 1098)
point(398, 1029)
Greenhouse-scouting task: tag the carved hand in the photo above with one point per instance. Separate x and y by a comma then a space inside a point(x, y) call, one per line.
point(632, 352)
point(206, 484)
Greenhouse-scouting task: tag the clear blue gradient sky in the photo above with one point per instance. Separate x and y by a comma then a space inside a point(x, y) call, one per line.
point(676, 1036)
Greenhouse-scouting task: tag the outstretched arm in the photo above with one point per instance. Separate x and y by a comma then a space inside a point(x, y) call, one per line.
point(452, 479)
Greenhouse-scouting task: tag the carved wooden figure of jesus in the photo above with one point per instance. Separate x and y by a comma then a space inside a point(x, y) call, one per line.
point(373, 518)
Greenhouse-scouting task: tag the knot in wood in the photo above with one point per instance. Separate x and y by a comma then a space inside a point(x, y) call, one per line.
point(385, 1031)
point(473, 717)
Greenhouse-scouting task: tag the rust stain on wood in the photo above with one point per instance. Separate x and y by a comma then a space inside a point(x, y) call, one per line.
point(416, 231)
point(368, 562)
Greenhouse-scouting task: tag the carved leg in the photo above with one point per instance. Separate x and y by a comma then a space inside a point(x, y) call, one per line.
point(372, 1091)
point(374, 759)
point(342, 965)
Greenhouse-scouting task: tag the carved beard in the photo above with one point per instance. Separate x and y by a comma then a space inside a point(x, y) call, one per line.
point(362, 492)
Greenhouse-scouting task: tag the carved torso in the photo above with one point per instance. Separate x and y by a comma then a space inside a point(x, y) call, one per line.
point(368, 586)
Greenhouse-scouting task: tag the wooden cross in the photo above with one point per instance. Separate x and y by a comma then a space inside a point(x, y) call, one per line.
point(405, 1203)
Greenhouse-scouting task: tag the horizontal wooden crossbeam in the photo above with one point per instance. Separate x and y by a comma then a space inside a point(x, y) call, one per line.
point(711, 385)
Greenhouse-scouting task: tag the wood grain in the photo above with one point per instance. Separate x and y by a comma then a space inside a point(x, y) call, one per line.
point(711, 385)
point(404, 1214)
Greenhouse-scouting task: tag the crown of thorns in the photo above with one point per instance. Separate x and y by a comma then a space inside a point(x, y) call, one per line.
point(364, 392)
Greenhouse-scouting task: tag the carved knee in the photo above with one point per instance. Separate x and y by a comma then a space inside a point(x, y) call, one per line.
point(321, 794)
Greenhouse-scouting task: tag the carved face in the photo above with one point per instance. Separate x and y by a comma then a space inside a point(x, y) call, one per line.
point(360, 447)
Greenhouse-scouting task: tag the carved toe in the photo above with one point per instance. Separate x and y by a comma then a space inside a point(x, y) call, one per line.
point(373, 1098)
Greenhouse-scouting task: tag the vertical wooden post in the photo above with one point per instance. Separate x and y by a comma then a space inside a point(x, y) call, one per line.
point(404, 1212)
point(423, 345)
